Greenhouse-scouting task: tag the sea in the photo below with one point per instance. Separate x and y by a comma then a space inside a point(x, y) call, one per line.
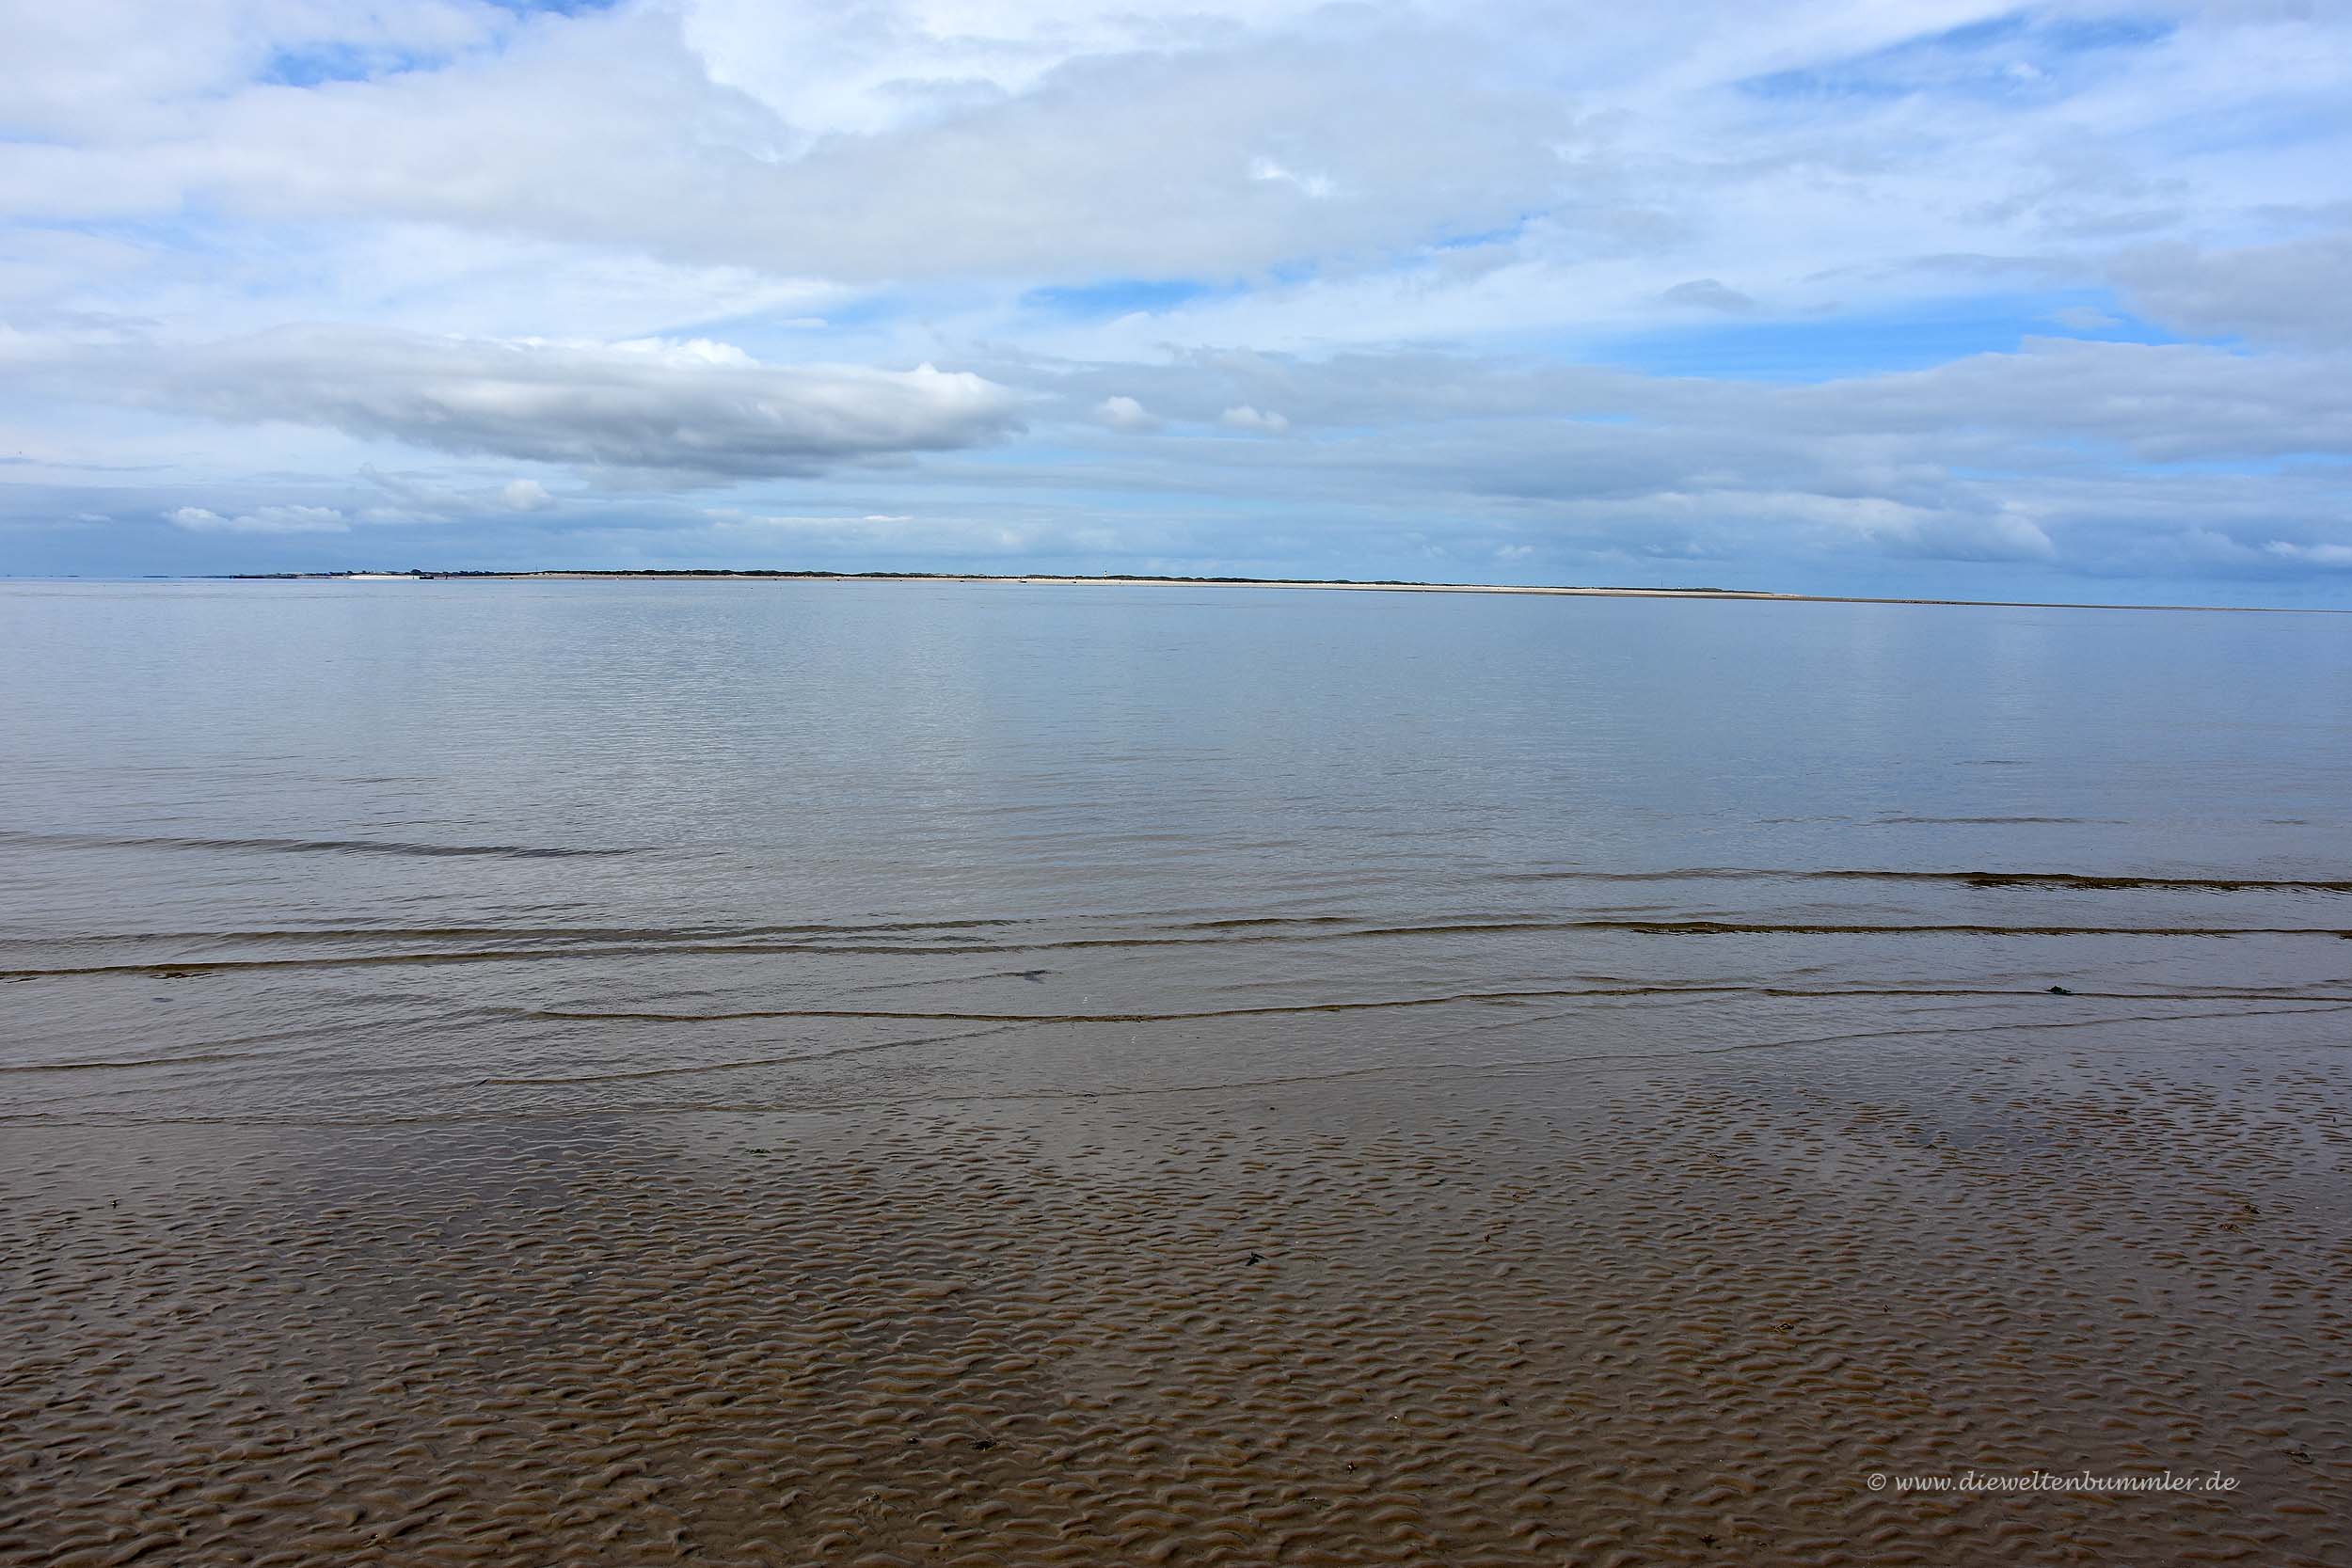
point(305, 850)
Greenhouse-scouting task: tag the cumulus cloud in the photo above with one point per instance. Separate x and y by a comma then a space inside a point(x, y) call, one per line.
point(947, 139)
point(2291, 293)
point(699, 149)
point(525, 495)
point(696, 405)
point(2056, 455)
point(1997, 533)
point(872, 523)
point(2012, 458)
point(1125, 413)
point(2335, 557)
point(262, 519)
point(1244, 417)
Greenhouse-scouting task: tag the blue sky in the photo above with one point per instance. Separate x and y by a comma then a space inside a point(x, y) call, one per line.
point(1922, 296)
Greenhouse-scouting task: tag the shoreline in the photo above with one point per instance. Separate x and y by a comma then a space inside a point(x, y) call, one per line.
point(1323, 585)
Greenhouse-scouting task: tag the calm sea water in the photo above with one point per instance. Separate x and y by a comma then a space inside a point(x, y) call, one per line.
point(374, 852)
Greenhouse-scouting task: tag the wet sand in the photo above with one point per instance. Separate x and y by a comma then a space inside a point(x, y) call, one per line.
point(1656, 1312)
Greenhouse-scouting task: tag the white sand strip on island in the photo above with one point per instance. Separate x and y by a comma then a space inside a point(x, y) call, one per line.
point(1330, 585)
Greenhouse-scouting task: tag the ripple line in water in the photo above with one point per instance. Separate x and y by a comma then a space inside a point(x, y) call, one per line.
point(1385, 1005)
point(2094, 881)
point(305, 845)
point(691, 1069)
point(130, 1062)
point(293, 934)
point(1637, 927)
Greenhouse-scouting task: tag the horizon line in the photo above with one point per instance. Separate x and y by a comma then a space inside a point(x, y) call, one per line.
point(1113, 580)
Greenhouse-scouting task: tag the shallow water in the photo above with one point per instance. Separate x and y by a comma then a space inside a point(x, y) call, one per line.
point(349, 850)
point(535, 945)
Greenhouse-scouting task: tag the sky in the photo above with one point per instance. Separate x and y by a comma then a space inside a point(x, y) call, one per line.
point(1922, 297)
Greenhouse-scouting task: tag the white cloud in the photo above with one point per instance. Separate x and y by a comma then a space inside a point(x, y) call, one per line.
point(1125, 413)
point(525, 495)
point(262, 519)
point(84, 70)
point(696, 406)
point(2291, 293)
point(1242, 417)
point(1315, 187)
point(834, 70)
point(2335, 557)
point(1074, 173)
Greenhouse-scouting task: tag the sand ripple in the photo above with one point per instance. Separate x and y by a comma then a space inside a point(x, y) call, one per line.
point(1664, 1317)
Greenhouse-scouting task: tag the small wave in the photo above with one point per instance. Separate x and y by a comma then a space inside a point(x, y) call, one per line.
point(1207, 935)
point(128, 1062)
point(1995, 822)
point(305, 845)
point(2115, 881)
point(1488, 998)
point(647, 934)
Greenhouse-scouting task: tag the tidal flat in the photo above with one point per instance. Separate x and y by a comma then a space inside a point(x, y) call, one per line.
point(922, 1074)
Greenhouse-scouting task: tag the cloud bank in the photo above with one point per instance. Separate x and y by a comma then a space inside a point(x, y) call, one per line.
point(696, 407)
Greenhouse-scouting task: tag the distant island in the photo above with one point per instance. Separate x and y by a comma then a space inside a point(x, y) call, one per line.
point(1382, 585)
